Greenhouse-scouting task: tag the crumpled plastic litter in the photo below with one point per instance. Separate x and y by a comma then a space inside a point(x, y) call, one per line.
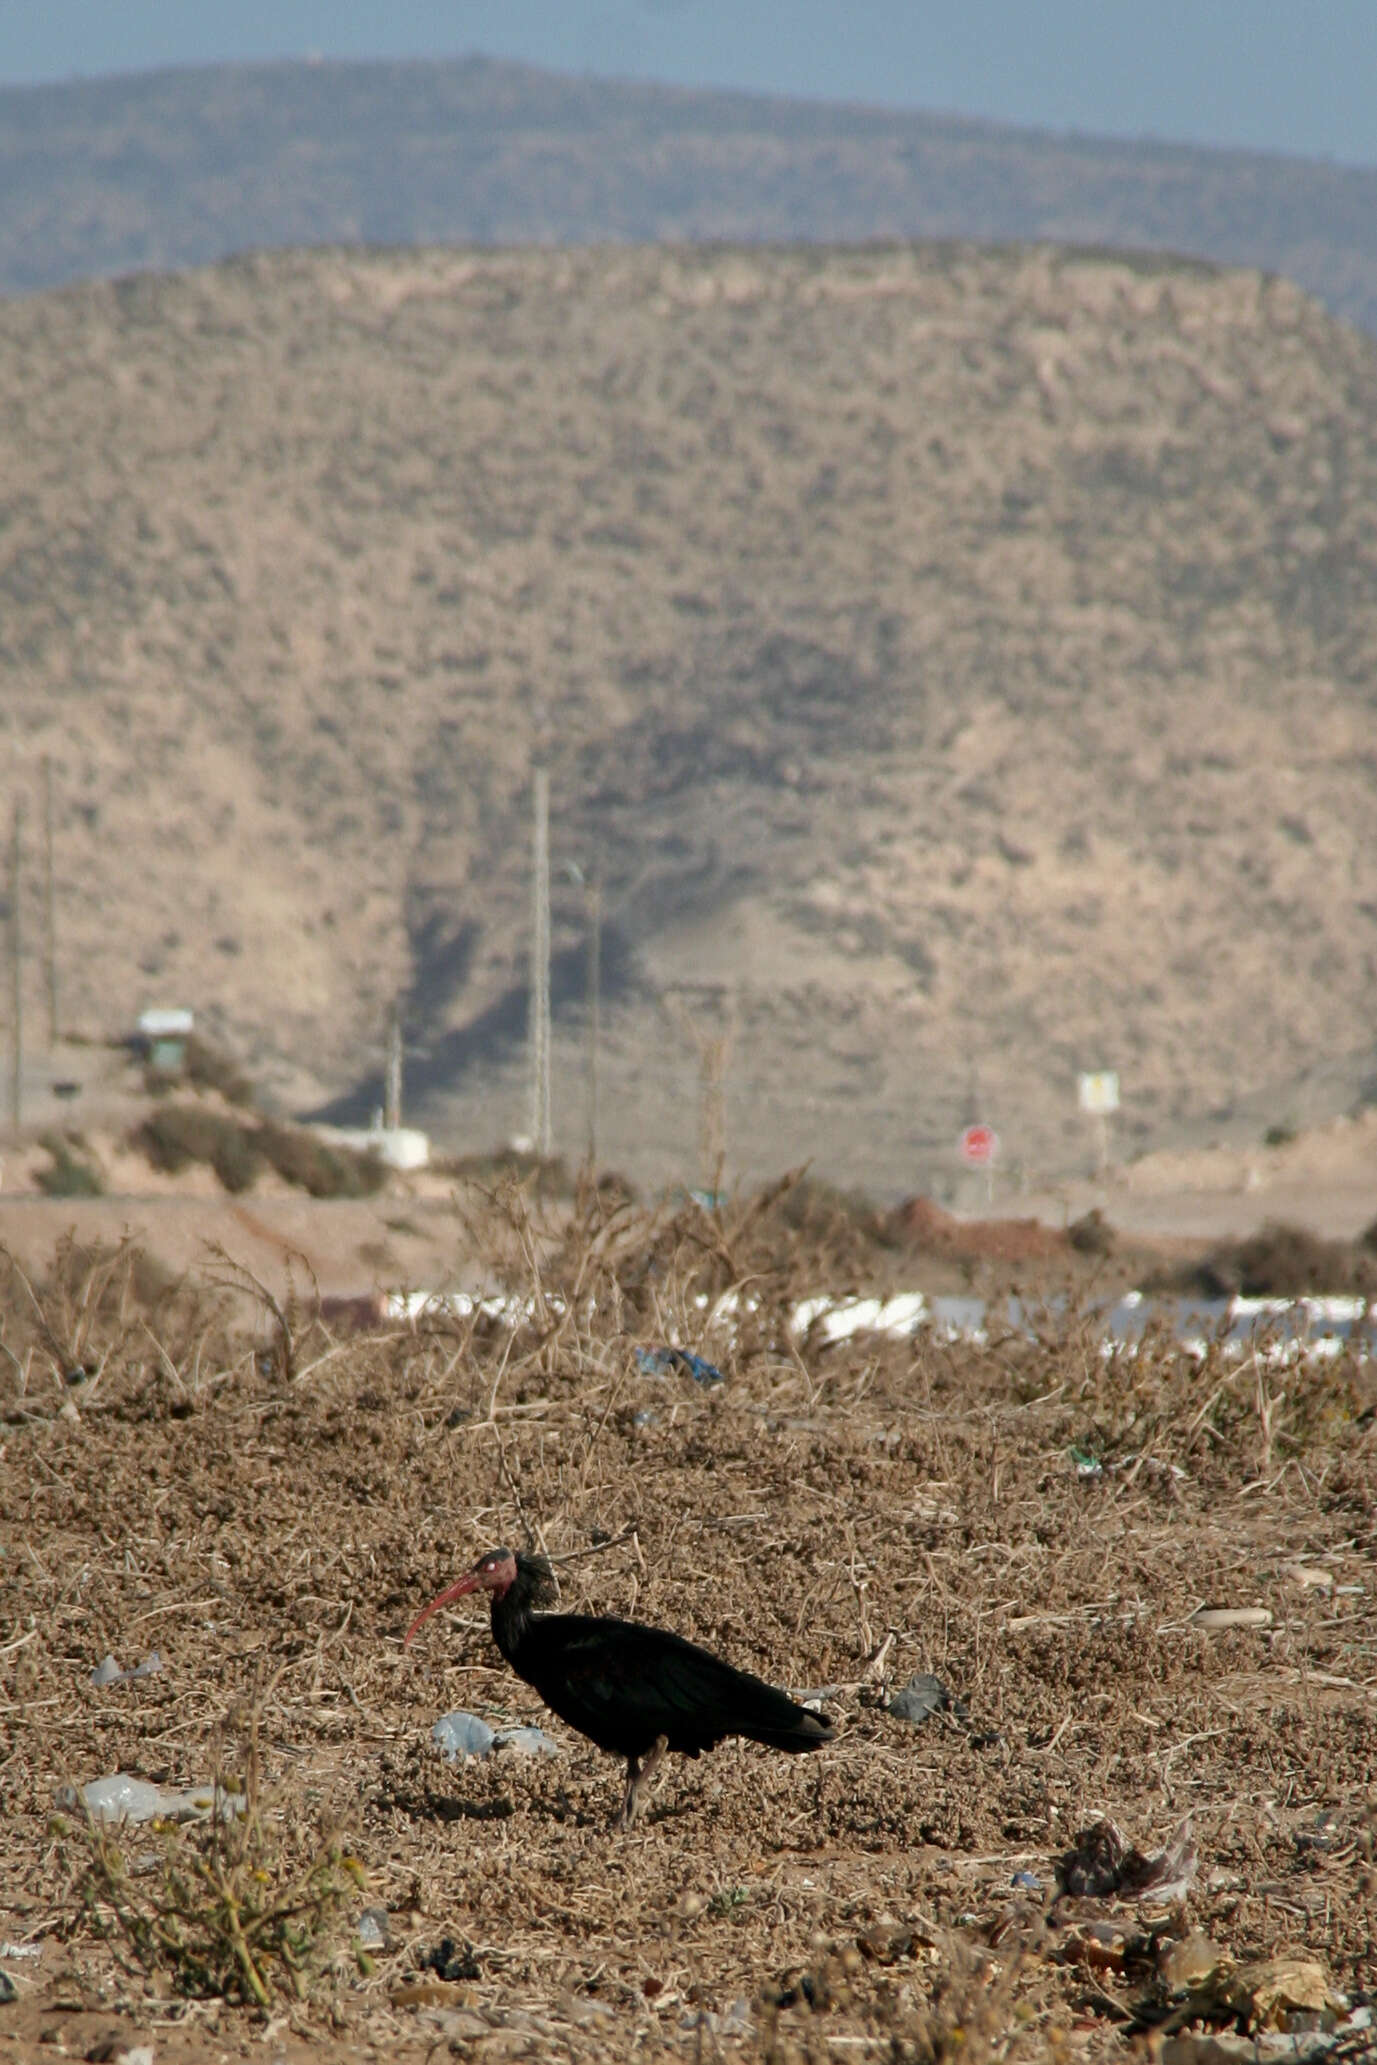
point(924, 1696)
point(374, 1930)
point(658, 1362)
point(734, 2021)
point(460, 1735)
point(108, 1672)
point(1102, 1862)
point(1268, 1994)
point(122, 1798)
point(527, 1742)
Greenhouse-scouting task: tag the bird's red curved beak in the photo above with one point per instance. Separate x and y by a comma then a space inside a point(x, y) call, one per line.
point(469, 1582)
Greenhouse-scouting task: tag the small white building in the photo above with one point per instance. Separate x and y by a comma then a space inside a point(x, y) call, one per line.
point(162, 1034)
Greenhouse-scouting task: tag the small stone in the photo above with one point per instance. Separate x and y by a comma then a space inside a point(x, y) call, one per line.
point(463, 2027)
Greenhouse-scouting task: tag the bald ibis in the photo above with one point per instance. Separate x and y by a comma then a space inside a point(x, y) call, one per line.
point(635, 1691)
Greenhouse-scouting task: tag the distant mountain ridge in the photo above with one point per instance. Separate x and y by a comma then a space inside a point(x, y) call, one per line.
point(160, 170)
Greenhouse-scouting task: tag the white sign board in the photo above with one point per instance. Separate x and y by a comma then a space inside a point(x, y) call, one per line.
point(1099, 1093)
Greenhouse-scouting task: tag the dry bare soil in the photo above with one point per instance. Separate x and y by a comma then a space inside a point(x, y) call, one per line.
point(956, 662)
point(1031, 1524)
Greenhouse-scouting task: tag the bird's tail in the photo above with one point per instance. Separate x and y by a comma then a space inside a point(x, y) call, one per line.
point(768, 1715)
point(809, 1732)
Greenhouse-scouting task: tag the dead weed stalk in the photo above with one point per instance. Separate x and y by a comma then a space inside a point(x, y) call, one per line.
point(285, 1313)
point(225, 1909)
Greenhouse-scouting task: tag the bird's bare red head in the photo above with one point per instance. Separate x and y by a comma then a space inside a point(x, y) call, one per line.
point(494, 1572)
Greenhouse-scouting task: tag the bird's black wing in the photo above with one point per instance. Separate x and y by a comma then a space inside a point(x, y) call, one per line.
point(623, 1685)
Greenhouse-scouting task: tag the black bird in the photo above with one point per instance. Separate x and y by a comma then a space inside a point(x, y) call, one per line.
point(634, 1690)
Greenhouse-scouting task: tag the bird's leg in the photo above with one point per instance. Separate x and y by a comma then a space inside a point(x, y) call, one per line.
point(638, 1774)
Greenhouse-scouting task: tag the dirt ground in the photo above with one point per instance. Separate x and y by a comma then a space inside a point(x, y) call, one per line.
point(1026, 1520)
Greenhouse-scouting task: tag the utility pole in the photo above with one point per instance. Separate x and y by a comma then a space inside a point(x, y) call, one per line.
point(16, 973)
point(49, 906)
point(539, 1024)
point(594, 1009)
point(392, 1071)
point(714, 1049)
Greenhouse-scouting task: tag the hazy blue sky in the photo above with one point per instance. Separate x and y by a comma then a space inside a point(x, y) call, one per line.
point(1295, 75)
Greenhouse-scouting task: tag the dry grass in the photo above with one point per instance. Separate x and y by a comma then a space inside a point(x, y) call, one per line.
point(832, 1517)
point(223, 1909)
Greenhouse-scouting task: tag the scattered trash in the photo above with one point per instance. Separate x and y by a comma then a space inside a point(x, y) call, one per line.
point(923, 1697)
point(1213, 2047)
point(734, 2021)
point(118, 2050)
point(462, 1735)
point(108, 1672)
point(527, 1742)
point(1100, 1946)
point(1188, 1965)
point(1268, 1994)
point(374, 1931)
point(450, 1963)
point(1102, 1862)
point(1310, 1575)
point(1087, 1465)
point(1283, 2007)
point(1026, 1882)
point(122, 1798)
point(21, 1950)
point(1214, 1619)
point(459, 1735)
point(646, 1417)
point(837, 1319)
point(8, 1990)
point(658, 1362)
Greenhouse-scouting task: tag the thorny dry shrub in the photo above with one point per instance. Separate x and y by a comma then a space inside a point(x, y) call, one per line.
point(1028, 1517)
point(70, 1171)
point(235, 1906)
point(96, 1302)
point(1279, 1261)
point(183, 1131)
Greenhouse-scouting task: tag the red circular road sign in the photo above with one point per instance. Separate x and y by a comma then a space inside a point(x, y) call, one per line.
point(979, 1146)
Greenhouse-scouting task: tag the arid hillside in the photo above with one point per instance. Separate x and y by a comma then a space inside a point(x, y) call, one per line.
point(957, 662)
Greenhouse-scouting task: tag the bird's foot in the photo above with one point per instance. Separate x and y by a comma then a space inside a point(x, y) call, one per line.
point(639, 1772)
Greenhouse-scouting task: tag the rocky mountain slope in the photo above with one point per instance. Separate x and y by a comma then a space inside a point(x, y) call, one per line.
point(176, 168)
point(957, 663)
